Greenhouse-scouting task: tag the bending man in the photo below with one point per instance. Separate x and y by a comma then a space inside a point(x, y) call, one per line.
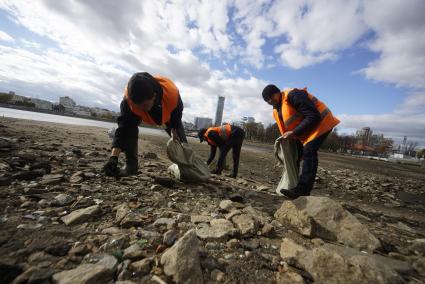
point(155, 100)
point(224, 137)
point(299, 115)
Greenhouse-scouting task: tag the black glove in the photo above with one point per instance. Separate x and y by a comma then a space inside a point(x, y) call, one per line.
point(111, 167)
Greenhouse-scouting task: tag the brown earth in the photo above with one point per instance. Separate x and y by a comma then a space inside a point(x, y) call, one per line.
point(388, 198)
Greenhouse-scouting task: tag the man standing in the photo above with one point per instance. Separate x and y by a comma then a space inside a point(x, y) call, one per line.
point(299, 115)
point(155, 100)
point(224, 137)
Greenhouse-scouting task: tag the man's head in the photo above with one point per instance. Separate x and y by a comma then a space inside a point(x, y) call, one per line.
point(271, 95)
point(201, 134)
point(140, 90)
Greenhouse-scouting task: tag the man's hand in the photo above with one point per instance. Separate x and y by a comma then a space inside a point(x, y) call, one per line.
point(288, 134)
point(174, 135)
point(111, 167)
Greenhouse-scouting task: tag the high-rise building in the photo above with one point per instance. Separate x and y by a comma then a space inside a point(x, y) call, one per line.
point(219, 111)
point(248, 119)
point(202, 122)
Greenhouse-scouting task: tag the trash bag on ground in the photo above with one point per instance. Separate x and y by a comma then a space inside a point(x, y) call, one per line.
point(187, 165)
point(285, 151)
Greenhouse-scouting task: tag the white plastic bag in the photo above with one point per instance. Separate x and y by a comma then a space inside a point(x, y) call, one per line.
point(187, 165)
point(285, 151)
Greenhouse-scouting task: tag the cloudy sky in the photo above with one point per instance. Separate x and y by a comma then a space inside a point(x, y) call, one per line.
point(364, 59)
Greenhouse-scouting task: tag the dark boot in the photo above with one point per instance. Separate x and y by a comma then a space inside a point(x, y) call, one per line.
point(132, 162)
point(295, 192)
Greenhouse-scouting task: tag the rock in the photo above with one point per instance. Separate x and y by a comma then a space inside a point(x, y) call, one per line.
point(62, 199)
point(52, 179)
point(220, 229)
point(419, 266)
point(195, 219)
point(217, 275)
point(133, 220)
point(181, 261)
point(84, 274)
point(169, 222)
point(233, 244)
point(246, 224)
point(165, 181)
point(45, 165)
point(8, 271)
point(289, 249)
point(267, 230)
point(122, 211)
point(79, 249)
point(405, 228)
point(418, 246)
point(142, 267)
point(169, 238)
point(150, 155)
point(108, 261)
point(134, 252)
point(324, 218)
point(289, 277)
point(124, 272)
point(80, 215)
point(77, 177)
point(259, 216)
point(263, 188)
point(229, 205)
point(251, 244)
point(334, 264)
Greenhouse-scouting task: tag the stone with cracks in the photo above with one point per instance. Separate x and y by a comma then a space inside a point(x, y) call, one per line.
point(181, 261)
point(246, 224)
point(324, 218)
point(334, 264)
point(84, 274)
point(80, 215)
point(220, 229)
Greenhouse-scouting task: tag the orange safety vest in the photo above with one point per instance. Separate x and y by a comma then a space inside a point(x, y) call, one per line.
point(170, 98)
point(292, 118)
point(223, 131)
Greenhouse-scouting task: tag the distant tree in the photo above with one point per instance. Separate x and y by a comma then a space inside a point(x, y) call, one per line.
point(420, 153)
point(5, 98)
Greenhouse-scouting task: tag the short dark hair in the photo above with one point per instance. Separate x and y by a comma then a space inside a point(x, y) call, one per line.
point(140, 88)
point(268, 91)
point(201, 134)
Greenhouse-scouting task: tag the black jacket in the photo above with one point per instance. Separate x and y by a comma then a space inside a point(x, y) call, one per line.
point(128, 122)
point(236, 136)
point(300, 101)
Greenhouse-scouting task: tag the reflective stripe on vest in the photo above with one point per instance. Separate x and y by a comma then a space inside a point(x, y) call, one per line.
point(291, 118)
point(170, 98)
point(224, 132)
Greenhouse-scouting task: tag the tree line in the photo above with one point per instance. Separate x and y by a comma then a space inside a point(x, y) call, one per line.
point(358, 143)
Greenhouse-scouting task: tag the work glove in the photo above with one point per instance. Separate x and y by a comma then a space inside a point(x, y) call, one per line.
point(111, 167)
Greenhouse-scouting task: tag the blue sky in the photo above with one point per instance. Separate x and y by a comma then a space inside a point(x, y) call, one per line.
point(364, 59)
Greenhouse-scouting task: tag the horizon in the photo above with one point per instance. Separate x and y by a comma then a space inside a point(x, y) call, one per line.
point(361, 58)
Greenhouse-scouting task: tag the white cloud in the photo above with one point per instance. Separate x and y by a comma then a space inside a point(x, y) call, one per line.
point(99, 45)
point(400, 42)
point(5, 37)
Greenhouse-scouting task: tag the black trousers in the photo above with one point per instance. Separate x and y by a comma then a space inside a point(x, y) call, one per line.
point(235, 143)
point(311, 162)
point(131, 152)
